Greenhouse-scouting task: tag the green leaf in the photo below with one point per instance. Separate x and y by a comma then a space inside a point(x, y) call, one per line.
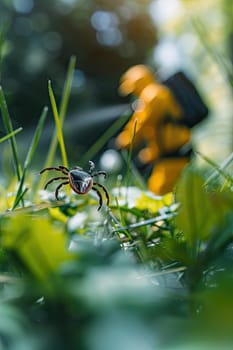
point(40, 246)
point(200, 211)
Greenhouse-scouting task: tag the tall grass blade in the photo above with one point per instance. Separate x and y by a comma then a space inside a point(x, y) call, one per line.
point(58, 125)
point(138, 179)
point(144, 223)
point(100, 143)
point(219, 170)
point(62, 110)
point(129, 160)
point(19, 198)
point(67, 88)
point(8, 136)
point(29, 156)
point(9, 129)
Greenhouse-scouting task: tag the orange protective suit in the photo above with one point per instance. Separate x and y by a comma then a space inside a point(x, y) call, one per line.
point(157, 125)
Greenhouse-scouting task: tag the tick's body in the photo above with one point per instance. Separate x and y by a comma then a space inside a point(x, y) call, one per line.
point(79, 180)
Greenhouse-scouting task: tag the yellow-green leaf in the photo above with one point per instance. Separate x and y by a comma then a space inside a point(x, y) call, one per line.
point(40, 245)
point(199, 210)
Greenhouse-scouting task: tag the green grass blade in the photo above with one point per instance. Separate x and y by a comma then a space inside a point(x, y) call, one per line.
point(219, 169)
point(13, 133)
point(129, 160)
point(144, 223)
point(58, 125)
point(19, 198)
point(110, 132)
point(67, 88)
point(63, 110)
point(29, 156)
point(36, 138)
point(138, 179)
point(8, 126)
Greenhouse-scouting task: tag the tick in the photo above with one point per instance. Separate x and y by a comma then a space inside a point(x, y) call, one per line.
point(79, 180)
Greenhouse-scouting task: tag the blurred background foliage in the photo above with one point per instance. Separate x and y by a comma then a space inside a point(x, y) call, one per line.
point(107, 37)
point(38, 38)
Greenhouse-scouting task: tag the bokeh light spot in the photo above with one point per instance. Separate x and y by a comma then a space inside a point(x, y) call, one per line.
point(79, 79)
point(111, 161)
point(103, 20)
point(23, 6)
point(110, 37)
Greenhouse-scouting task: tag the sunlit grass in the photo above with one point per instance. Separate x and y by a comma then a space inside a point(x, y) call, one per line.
point(62, 114)
point(29, 157)
point(13, 133)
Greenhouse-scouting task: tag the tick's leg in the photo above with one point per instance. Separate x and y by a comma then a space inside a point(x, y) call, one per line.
point(100, 173)
point(64, 169)
point(92, 166)
point(58, 188)
point(55, 179)
point(54, 168)
point(100, 197)
point(104, 189)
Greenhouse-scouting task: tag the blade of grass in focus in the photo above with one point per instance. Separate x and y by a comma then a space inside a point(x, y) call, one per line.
point(19, 198)
point(31, 151)
point(8, 126)
point(13, 133)
point(67, 88)
point(62, 115)
point(58, 125)
point(63, 110)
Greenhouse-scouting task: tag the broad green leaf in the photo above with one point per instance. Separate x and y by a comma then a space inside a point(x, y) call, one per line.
point(200, 211)
point(40, 246)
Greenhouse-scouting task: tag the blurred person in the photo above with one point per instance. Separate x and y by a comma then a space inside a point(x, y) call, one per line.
point(157, 124)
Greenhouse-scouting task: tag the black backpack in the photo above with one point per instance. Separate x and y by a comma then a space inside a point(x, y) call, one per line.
point(186, 94)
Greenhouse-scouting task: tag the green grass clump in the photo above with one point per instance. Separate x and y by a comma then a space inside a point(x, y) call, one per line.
point(146, 272)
